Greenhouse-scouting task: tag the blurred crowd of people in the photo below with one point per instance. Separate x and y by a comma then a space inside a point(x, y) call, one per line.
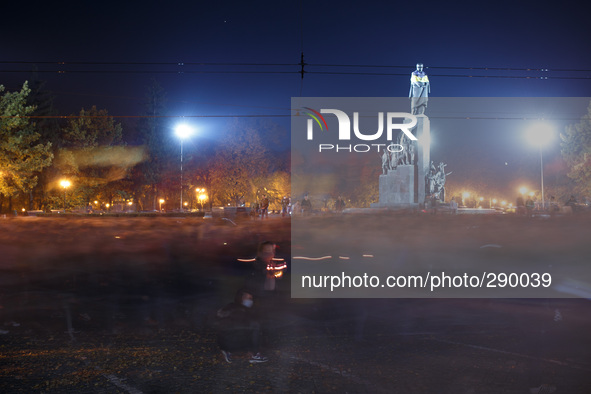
point(530, 205)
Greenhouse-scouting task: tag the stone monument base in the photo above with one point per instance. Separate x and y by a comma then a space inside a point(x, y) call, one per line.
point(399, 188)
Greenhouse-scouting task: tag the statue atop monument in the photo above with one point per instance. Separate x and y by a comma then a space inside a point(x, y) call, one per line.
point(419, 90)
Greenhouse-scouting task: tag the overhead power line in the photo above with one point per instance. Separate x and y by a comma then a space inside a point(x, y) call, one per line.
point(524, 118)
point(447, 75)
point(60, 63)
point(543, 69)
point(261, 64)
point(141, 116)
point(148, 72)
point(296, 68)
point(287, 72)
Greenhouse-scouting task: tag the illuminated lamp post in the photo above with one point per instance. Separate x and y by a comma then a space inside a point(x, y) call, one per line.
point(183, 131)
point(65, 184)
point(540, 135)
point(201, 196)
point(465, 196)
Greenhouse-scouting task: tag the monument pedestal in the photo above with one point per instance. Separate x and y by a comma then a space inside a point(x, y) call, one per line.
point(404, 186)
point(398, 188)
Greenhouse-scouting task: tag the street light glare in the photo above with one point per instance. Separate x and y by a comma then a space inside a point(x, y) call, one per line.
point(540, 134)
point(183, 131)
point(65, 183)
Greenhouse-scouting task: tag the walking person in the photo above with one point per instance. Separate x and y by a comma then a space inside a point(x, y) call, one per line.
point(262, 278)
point(264, 207)
point(453, 205)
point(340, 204)
point(284, 205)
point(306, 205)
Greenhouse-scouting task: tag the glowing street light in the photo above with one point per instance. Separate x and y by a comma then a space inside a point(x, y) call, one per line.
point(183, 131)
point(540, 134)
point(65, 184)
point(161, 201)
point(523, 190)
point(465, 196)
point(201, 196)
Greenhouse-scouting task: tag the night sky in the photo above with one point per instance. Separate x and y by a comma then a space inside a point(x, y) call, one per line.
point(123, 45)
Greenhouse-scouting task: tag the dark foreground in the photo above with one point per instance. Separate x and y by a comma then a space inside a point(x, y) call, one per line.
point(124, 305)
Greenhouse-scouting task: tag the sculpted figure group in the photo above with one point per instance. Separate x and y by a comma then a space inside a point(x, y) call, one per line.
point(435, 181)
point(396, 155)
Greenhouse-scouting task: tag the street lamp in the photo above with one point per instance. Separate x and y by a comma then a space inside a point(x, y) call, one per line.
point(540, 134)
point(183, 131)
point(161, 201)
point(65, 184)
point(465, 196)
point(201, 196)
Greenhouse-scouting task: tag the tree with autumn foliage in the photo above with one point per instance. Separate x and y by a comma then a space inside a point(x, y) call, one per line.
point(94, 157)
point(576, 151)
point(240, 167)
